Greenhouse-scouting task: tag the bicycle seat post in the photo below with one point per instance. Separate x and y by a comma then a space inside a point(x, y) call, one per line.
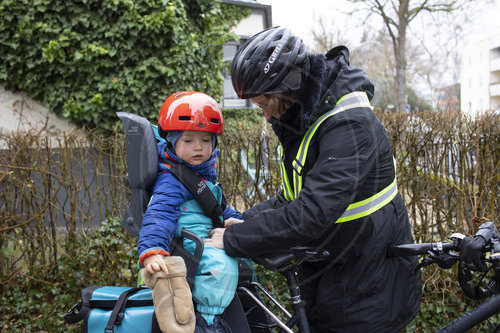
point(297, 303)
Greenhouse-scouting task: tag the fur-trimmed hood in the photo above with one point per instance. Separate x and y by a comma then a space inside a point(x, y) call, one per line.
point(330, 77)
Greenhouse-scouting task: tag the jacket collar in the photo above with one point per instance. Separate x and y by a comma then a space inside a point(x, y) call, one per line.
point(299, 116)
point(330, 77)
point(207, 170)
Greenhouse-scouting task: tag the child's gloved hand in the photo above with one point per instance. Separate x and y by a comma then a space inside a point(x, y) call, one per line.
point(155, 263)
point(172, 296)
point(231, 221)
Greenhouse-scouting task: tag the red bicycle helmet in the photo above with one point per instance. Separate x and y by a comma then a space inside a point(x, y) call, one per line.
point(190, 111)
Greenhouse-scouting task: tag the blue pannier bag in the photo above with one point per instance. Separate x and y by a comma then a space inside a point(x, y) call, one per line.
point(115, 309)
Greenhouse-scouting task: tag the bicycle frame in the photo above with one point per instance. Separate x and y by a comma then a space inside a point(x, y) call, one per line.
point(474, 317)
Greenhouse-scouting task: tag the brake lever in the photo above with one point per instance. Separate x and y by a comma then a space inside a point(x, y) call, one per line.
point(426, 261)
point(444, 260)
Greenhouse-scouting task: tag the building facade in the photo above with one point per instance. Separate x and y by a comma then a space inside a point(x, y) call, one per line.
point(480, 76)
point(259, 19)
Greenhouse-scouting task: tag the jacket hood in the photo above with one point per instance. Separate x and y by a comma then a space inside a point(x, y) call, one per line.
point(330, 77)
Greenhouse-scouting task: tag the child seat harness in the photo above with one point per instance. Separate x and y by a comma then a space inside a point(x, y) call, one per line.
point(355, 210)
point(200, 191)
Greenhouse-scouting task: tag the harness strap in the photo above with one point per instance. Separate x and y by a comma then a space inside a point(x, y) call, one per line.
point(200, 191)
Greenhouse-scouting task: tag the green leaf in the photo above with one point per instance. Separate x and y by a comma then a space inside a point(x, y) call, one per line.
point(67, 54)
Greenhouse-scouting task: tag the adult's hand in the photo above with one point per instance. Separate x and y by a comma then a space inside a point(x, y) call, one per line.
point(470, 252)
point(231, 221)
point(216, 238)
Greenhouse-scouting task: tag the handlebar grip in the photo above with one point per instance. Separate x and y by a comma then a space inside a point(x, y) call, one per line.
point(419, 249)
point(488, 230)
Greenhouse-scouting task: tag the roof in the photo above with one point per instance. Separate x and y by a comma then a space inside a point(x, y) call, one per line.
point(253, 5)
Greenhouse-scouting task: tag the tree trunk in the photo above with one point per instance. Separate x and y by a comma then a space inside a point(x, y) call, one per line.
point(400, 54)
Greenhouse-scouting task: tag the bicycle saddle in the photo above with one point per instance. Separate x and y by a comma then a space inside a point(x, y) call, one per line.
point(294, 257)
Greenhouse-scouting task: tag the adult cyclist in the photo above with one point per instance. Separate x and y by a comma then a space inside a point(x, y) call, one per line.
point(339, 186)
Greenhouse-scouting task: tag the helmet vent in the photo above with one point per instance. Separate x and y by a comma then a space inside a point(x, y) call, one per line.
point(214, 120)
point(185, 118)
point(250, 54)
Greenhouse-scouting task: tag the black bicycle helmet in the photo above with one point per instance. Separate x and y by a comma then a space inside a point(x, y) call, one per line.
point(272, 61)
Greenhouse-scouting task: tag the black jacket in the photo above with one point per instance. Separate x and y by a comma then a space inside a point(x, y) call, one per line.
point(359, 289)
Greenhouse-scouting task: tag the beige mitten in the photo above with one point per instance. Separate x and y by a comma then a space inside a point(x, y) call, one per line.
point(172, 297)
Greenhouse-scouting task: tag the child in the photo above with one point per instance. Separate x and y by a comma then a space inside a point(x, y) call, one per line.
point(189, 122)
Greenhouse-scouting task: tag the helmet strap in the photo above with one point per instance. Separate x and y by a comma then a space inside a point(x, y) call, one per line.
point(171, 137)
point(214, 141)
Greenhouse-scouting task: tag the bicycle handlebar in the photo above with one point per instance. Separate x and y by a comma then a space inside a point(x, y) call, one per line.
point(443, 254)
point(420, 249)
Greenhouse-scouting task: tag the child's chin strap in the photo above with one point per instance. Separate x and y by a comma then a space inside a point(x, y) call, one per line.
point(200, 191)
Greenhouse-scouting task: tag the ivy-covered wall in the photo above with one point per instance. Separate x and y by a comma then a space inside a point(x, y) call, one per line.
point(87, 59)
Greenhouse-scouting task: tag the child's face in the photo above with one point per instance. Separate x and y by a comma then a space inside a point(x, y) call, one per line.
point(194, 147)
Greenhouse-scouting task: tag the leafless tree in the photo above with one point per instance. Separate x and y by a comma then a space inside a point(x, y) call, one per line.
point(372, 53)
point(326, 36)
point(396, 16)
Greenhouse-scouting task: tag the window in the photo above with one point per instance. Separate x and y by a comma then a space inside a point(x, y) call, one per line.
point(496, 53)
point(229, 51)
point(229, 97)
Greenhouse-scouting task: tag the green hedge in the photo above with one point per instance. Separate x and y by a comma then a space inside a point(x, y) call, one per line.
point(87, 59)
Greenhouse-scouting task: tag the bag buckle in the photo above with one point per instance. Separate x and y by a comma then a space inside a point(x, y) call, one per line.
point(71, 316)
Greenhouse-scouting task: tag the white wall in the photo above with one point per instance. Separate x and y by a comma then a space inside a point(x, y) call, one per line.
point(475, 77)
point(251, 25)
point(21, 113)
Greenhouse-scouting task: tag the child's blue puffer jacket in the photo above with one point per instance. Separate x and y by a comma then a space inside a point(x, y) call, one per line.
point(160, 221)
point(172, 207)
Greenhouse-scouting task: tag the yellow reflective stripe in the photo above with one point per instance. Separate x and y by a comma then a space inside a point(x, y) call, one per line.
point(365, 207)
point(349, 101)
point(297, 182)
point(360, 94)
point(346, 102)
point(368, 206)
point(296, 165)
point(355, 210)
point(287, 191)
point(286, 184)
